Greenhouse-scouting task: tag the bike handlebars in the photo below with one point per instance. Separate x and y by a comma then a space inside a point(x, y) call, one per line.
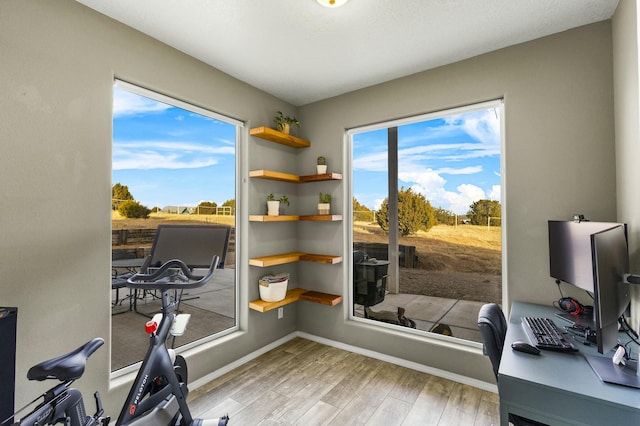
point(166, 277)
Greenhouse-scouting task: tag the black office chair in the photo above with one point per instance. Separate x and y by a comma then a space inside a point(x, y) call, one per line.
point(493, 328)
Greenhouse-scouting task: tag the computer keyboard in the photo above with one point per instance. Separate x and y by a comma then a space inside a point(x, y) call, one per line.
point(545, 334)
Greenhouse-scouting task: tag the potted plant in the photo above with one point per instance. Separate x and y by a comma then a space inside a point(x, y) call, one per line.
point(283, 122)
point(321, 165)
point(324, 203)
point(273, 204)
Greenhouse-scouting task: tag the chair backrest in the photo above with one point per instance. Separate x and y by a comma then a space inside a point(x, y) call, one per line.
point(195, 245)
point(493, 328)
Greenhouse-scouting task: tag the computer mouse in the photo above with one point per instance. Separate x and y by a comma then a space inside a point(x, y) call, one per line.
point(525, 347)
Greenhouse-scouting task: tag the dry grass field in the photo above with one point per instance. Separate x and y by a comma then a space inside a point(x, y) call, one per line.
point(457, 262)
point(155, 219)
point(462, 262)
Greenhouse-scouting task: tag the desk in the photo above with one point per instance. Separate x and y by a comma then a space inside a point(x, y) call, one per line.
point(558, 388)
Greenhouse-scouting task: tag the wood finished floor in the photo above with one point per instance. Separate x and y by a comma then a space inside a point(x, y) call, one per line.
point(308, 383)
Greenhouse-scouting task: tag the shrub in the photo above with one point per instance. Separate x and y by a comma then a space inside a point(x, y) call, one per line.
point(481, 210)
point(133, 210)
point(414, 213)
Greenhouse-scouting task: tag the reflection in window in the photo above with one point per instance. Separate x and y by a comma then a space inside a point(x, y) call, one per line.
point(172, 163)
point(426, 225)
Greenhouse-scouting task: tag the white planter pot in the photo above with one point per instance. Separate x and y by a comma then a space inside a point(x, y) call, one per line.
point(273, 208)
point(324, 208)
point(321, 168)
point(284, 128)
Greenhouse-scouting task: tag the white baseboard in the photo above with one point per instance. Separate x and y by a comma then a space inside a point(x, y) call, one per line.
point(490, 387)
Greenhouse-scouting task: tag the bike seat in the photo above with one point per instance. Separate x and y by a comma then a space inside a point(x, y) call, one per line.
point(65, 367)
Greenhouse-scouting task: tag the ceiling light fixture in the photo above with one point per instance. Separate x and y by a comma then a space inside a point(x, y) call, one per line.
point(332, 3)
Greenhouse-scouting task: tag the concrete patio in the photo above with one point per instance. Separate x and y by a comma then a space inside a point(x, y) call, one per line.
point(459, 316)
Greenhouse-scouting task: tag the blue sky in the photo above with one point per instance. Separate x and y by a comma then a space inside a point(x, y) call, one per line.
point(452, 161)
point(170, 156)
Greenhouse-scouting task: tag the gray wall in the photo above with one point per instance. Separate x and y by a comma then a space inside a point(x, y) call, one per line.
point(559, 154)
point(627, 130)
point(58, 64)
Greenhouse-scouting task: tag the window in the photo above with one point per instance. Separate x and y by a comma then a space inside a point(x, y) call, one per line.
point(426, 220)
point(172, 163)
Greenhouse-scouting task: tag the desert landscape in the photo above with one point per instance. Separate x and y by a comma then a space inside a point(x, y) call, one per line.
point(456, 262)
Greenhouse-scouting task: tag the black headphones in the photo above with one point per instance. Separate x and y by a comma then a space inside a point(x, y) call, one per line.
point(572, 306)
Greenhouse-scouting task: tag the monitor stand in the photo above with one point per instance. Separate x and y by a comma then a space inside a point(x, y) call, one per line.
point(582, 320)
point(609, 372)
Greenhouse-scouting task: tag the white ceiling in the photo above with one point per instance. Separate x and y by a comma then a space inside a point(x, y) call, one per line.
point(302, 52)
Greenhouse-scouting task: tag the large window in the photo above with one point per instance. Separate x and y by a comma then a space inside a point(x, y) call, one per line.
point(172, 163)
point(426, 224)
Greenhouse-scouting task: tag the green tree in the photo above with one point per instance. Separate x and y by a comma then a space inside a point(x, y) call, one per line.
point(119, 193)
point(133, 209)
point(444, 217)
point(230, 203)
point(207, 207)
point(414, 213)
point(481, 210)
point(361, 213)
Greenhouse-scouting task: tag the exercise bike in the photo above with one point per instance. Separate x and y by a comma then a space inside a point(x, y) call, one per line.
point(159, 393)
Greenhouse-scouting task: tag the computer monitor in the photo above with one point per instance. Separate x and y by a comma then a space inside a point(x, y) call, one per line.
point(594, 257)
point(570, 251)
point(610, 256)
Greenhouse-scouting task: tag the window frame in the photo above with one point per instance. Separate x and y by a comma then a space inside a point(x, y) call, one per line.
point(497, 103)
point(239, 153)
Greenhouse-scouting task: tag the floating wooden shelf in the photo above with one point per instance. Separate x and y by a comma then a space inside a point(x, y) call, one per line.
point(271, 175)
point(294, 295)
point(293, 218)
point(287, 177)
point(266, 218)
point(280, 259)
point(279, 137)
point(321, 217)
point(322, 298)
point(324, 176)
point(321, 258)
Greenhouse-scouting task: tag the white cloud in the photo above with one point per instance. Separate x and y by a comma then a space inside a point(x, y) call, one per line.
point(464, 144)
point(378, 203)
point(495, 193)
point(483, 126)
point(428, 180)
point(376, 162)
point(166, 155)
point(462, 171)
point(430, 184)
point(127, 103)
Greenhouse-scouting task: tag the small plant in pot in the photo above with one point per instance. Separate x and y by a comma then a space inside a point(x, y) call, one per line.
point(321, 165)
point(324, 204)
point(273, 204)
point(283, 122)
